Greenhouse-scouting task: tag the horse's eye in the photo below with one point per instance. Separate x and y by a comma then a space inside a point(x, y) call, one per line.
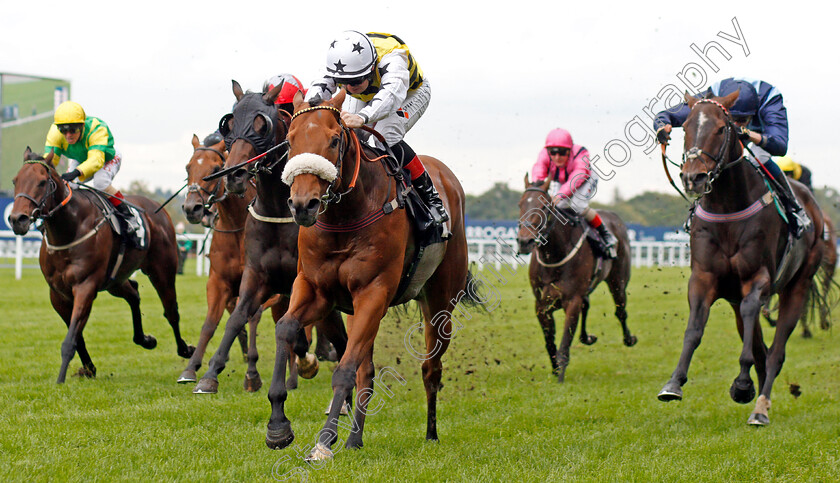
point(216, 169)
point(42, 183)
point(334, 143)
point(720, 130)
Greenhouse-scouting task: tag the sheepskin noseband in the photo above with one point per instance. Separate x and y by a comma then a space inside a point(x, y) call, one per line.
point(309, 163)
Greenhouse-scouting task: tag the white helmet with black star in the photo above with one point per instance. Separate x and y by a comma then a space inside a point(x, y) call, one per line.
point(350, 55)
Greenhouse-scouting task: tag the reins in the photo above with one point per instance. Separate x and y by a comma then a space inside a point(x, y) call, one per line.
point(349, 138)
point(548, 226)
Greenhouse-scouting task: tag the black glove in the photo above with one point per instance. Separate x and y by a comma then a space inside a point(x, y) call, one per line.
point(71, 175)
point(744, 134)
point(662, 135)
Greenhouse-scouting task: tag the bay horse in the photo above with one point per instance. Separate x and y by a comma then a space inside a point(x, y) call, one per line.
point(564, 270)
point(354, 254)
point(738, 252)
point(270, 244)
point(226, 254)
point(79, 258)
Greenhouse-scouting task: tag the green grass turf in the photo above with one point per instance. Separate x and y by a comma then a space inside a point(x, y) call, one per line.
point(501, 415)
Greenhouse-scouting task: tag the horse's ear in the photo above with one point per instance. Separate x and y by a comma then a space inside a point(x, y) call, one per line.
point(50, 157)
point(729, 101)
point(195, 142)
point(546, 184)
point(690, 100)
point(527, 183)
point(237, 90)
point(270, 96)
point(27, 153)
point(338, 100)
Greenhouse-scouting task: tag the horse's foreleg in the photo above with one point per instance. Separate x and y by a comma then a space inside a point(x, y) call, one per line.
point(364, 393)
point(572, 309)
point(700, 298)
point(545, 315)
point(742, 390)
point(64, 308)
point(218, 295)
point(584, 311)
point(305, 307)
point(252, 292)
point(369, 306)
point(83, 297)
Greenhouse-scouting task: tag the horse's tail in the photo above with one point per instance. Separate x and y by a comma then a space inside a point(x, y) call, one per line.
point(823, 296)
point(474, 292)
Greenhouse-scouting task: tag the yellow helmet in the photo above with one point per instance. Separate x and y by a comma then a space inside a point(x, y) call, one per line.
point(69, 112)
point(785, 163)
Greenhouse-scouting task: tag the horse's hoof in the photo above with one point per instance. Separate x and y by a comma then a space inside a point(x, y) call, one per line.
point(149, 342)
point(253, 384)
point(206, 386)
point(670, 392)
point(279, 439)
point(186, 353)
point(807, 334)
point(187, 376)
point(308, 366)
point(742, 393)
point(631, 341)
point(589, 339)
point(561, 374)
point(85, 372)
point(757, 419)
point(319, 453)
point(291, 383)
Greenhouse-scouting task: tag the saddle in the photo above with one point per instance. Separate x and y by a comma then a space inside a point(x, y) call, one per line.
point(138, 239)
point(428, 236)
point(597, 243)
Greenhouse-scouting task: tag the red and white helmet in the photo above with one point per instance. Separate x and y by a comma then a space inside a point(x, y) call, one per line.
point(291, 87)
point(559, 138)
point(351, 55)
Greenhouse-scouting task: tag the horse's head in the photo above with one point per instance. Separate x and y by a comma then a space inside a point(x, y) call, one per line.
point(35, 184)
point(317, 141)
point(251, 129)
point(201, 195)
point(710, 138)
point(535, 218)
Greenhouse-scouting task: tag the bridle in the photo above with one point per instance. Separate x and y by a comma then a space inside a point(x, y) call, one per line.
point(211, 194)
point(719, 164)
point(548, 225)
point(40, 206)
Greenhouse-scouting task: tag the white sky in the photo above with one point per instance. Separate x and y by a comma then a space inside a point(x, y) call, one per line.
point(502, 75)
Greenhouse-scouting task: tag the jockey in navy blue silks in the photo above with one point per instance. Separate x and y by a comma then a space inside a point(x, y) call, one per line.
point(761, 117)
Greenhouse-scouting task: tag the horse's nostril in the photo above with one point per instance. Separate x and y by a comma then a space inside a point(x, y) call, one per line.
point(313, 204)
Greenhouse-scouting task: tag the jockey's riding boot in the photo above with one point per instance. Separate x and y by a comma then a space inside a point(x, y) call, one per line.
point(421, 181)
point(610, 241)
point(795, 213)
point(130, 222)
point(426, 189)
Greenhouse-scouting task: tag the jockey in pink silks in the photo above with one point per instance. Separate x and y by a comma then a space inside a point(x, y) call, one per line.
point(572, 182)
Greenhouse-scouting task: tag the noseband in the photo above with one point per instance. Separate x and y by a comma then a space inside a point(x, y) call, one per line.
point(695, 152)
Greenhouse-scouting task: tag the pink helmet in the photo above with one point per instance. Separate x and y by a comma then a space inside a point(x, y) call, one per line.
point(559, 138)
point(290, 88)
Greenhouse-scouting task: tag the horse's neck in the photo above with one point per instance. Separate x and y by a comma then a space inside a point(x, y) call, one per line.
point(736, 188)
point(372, 188)
point(67, 222)
point(272, 194)
point(233, 210)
